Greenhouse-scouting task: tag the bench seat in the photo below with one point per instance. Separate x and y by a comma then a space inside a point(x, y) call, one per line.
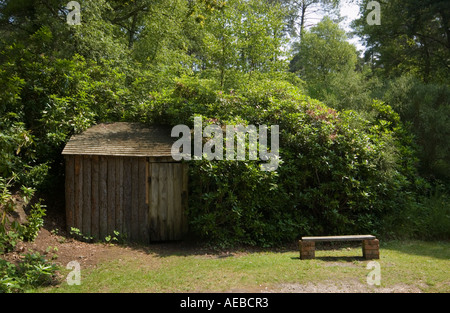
point(340, 238)
point(370, 245)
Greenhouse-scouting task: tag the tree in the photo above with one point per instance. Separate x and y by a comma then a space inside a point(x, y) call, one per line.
point(328, 65)
point(410, 52)
point(425, 107)
point(413, 37)
point(244, 37)
point(324, 50)
point(95, 38)
point(129, 16)
point(58, 78)
point(302, 12)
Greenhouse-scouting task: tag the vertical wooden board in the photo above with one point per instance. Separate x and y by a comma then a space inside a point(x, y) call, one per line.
point(103, 197)
point(127, 197)
point(111, 195)
point(134, 231)
point(154, 202)
point(70, 191)
point(78, 203)
point(185, 193)
point(87, 198)
point(147, 185)
point(95, 205)
point(177, 205)
point(119, 195)
point(162, 208)
point(148, 199)
point(170, 202)
point(142, 205)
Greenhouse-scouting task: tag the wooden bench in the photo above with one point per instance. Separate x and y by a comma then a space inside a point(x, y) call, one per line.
point(370, 245)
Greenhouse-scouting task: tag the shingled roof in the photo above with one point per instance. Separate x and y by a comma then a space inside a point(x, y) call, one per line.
point(122, 139)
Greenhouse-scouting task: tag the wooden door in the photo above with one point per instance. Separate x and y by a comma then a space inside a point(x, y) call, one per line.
point(167, 200)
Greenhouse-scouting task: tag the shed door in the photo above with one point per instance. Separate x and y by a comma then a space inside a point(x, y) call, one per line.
point(167, 200)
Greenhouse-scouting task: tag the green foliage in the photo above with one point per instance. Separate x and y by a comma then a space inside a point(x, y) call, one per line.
point(12, 232)
point(426, 108)
point(323, 50)
point(300, 14)
point(33, 271)
point(59, 79)
point(340, 172)
point(35, 220)
point(115, 237)
point(413, 38)
point(347, 163)
point(428, 218)
point(328, 64)
point(8, 281)
point(14, 140)
point(9, 240)
point(76, 233)
point(58, 97)
point(243, 37)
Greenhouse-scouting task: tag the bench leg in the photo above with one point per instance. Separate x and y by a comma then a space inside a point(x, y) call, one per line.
point(307, 249)
point(371, 249)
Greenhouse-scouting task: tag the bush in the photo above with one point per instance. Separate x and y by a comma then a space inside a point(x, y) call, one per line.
point(340, 172)
point(12, 232)
point(425, 108)
point(426, 219)
point(35, 221)
point(32, 272)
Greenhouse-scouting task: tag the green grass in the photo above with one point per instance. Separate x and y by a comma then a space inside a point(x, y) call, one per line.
point(423, 266)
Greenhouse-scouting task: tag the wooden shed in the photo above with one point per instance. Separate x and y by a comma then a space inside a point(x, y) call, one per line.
point(122, 177)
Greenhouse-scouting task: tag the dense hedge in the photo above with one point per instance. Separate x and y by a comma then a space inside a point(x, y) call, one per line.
point(340, 172)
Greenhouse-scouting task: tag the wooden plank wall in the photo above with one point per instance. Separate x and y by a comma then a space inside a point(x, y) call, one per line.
point(167, 205)
point(145, 201)
point(70, 196)
point(95, 191)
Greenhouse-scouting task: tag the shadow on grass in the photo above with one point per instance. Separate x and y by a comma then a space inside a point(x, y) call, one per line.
point(434, 249)
point(194, 248)
point(191, 248)
point(334, 258)
point(340, 258)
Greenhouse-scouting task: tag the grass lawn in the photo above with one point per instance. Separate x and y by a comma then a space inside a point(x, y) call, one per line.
point(406, 266)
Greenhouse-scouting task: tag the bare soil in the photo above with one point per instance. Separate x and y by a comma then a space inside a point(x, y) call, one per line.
point(59, 247)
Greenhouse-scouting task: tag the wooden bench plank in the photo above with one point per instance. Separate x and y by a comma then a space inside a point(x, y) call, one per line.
point(340, 238)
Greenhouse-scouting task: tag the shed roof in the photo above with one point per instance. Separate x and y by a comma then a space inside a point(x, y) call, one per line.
point(122, 139)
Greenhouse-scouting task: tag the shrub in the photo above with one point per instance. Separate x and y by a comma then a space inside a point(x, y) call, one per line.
point(35, 220)
point(12, 232)
point(426, 219)
point(340, 172)
point(32, 272)
point(425, 108)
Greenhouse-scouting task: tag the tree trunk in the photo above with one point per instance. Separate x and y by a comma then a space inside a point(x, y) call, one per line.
point(302, 20)
point(132, 31)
